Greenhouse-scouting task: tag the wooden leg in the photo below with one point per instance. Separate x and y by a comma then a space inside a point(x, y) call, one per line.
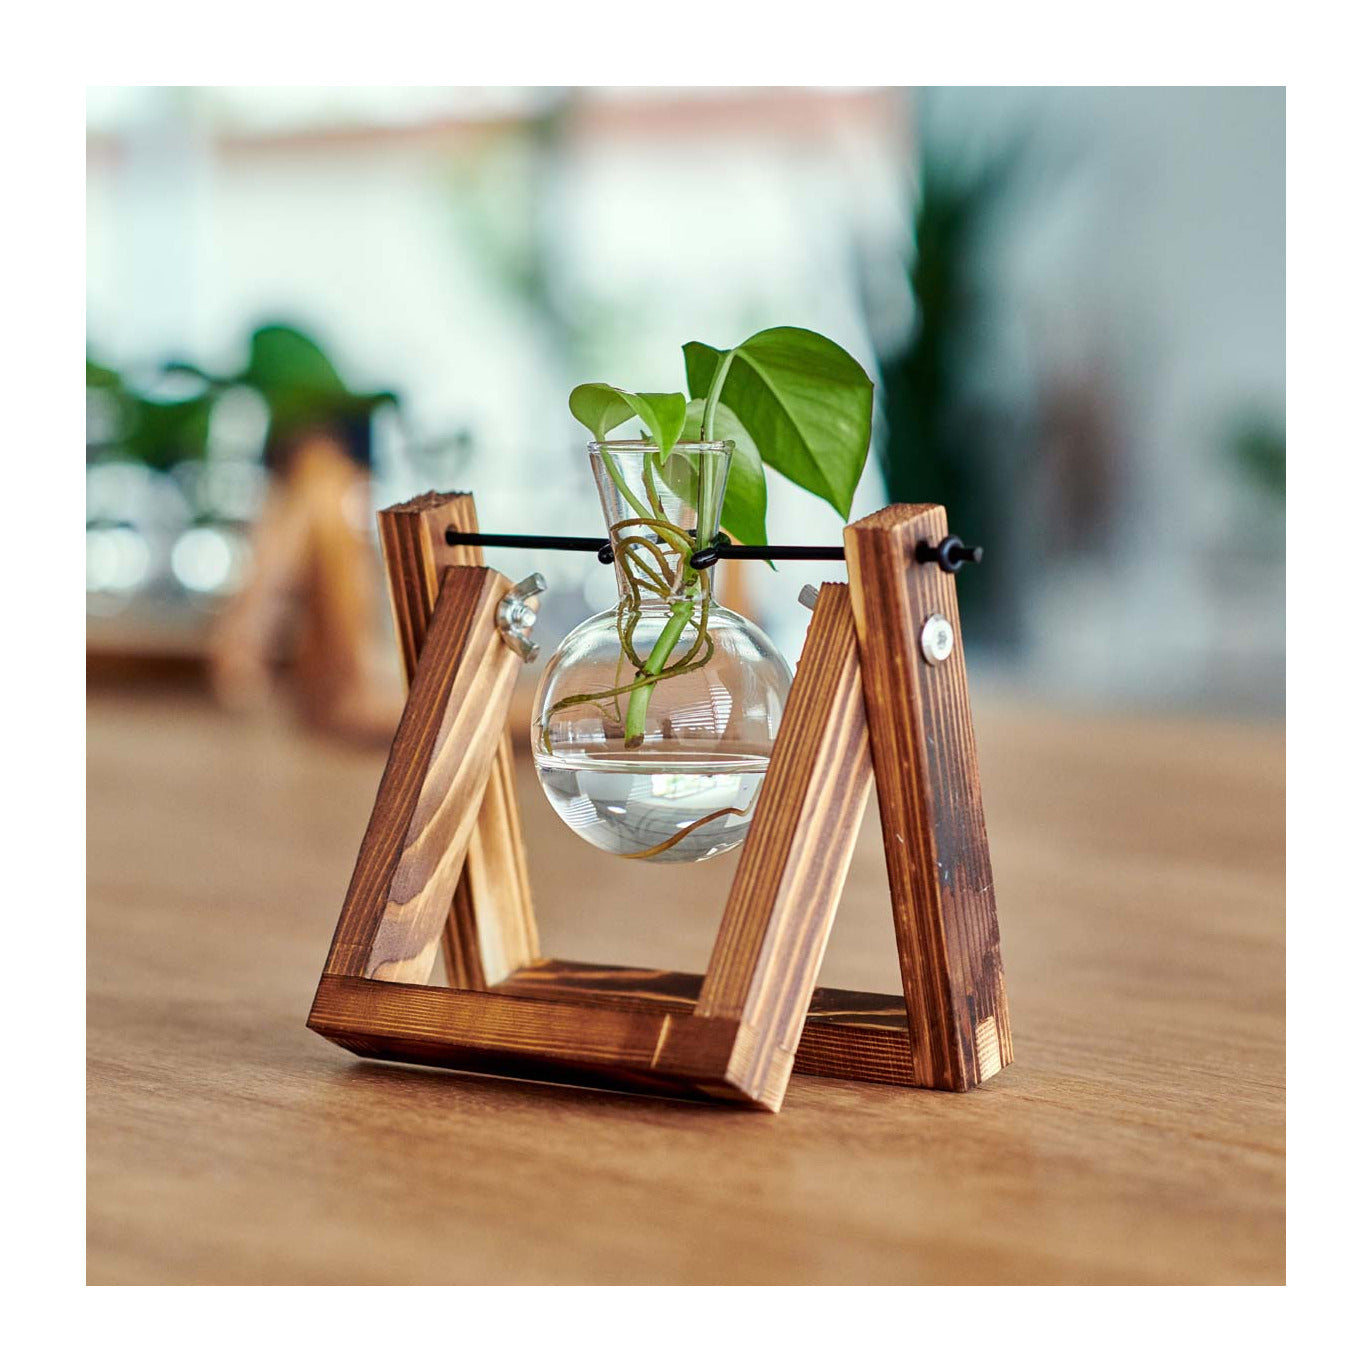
point(490, 930)
point(426, 807)
point(795, 859)
point(929, 791)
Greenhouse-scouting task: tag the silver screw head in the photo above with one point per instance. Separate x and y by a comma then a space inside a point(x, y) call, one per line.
point(936, 640)
point(809, 596)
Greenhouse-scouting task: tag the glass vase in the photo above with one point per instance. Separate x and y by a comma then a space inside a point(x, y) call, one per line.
point(654, 721)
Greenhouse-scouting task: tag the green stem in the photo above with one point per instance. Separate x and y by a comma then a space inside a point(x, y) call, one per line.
point(707, 426)
point(636, 715)
point(617, 477)
point(650, 486)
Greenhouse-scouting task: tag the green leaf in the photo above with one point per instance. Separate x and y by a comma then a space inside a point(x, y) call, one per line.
point(745, 497)
point(664, 413)
point(601, 407)
point(805, 402)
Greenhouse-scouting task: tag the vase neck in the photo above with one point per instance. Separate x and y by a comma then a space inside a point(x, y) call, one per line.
point(657, 513)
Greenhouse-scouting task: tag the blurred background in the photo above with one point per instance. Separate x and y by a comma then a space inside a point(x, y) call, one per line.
point(304, 304)
point(1072, 301)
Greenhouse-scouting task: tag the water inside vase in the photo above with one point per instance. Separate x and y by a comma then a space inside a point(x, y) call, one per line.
point(666, 802)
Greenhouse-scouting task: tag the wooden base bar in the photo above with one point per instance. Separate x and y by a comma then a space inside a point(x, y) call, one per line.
point(513, 1036)
point(858, 1035)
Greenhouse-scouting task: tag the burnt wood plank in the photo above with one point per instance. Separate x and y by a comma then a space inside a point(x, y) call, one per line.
point(795, 859)
point(490, 928)
point(929, 791)
point(857, 1035)
point(443, 1026)
point(431, 789)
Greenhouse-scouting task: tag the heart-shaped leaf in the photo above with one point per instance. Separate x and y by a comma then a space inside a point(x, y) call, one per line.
point(806, 403)
point(665, 415)
point(745, 497)
point(601, 407)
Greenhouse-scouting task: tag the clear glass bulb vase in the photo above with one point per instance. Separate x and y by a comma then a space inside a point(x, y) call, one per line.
point(654, 720)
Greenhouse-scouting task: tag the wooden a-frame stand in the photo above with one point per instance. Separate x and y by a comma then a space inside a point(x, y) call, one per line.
point(442, 863)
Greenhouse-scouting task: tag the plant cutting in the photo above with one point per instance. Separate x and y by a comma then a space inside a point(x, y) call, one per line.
point(671, 685)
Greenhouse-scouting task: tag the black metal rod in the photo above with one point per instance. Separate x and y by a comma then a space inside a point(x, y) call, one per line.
point(773, 552)
point(555, 542)
point(950, 554)
point(730, 552)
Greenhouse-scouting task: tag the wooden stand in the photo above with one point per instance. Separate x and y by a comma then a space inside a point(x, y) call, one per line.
point(442, 863)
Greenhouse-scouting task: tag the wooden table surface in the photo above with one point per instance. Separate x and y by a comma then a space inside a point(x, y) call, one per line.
point(1138, 1137)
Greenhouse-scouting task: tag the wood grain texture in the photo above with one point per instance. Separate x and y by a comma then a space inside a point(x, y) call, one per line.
point(860, 1035)
point(781, 906)
point(624, 1048)
point(1140, 1137)
point(430, 792)
point(929, 792)
point(490, 930)
point(776, 922)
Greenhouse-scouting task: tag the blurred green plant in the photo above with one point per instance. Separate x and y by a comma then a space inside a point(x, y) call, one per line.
point(159, 433)
point(289, 370)
point(302, 390)
point(1258, 444)
point(938, 441)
